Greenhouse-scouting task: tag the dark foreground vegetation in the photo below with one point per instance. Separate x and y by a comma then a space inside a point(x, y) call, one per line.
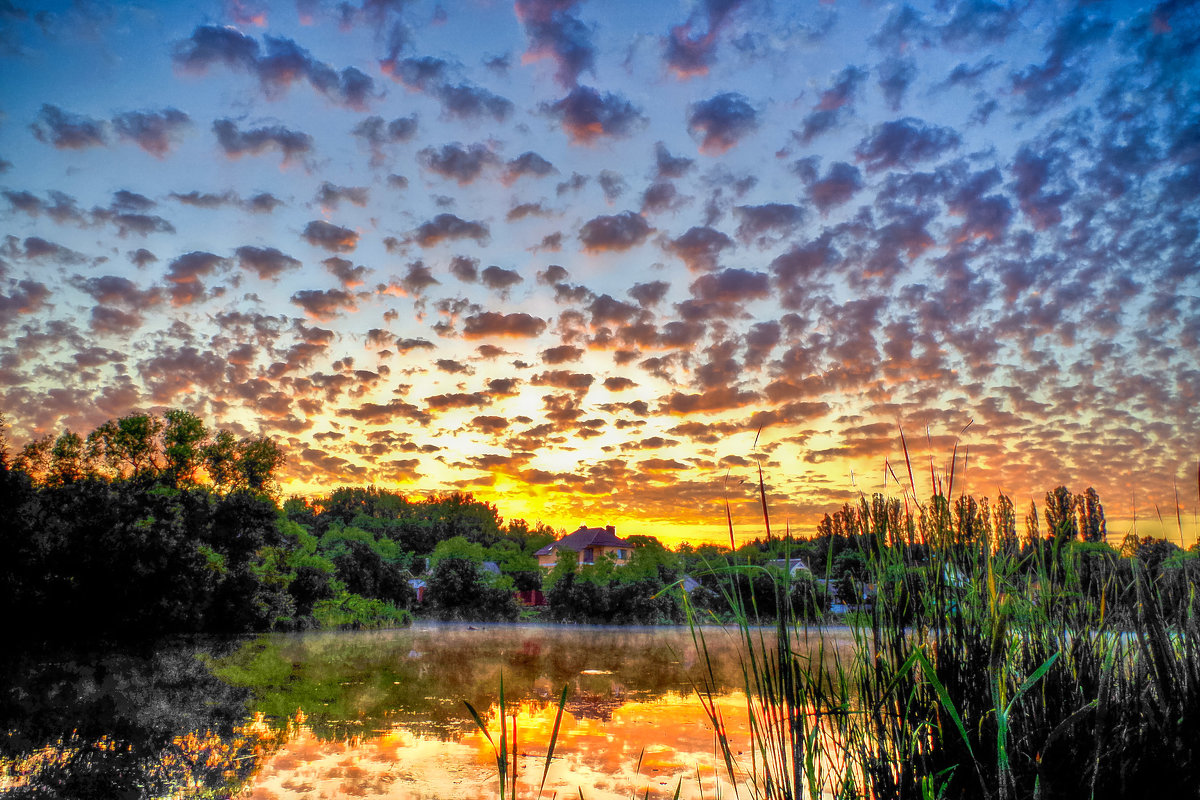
point(984, 666)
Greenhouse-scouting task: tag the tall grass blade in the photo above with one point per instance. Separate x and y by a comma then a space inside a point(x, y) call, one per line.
point(562, 702)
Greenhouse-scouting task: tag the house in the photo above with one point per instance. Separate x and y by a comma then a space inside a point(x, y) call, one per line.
point(792, 566)
point(590, 543)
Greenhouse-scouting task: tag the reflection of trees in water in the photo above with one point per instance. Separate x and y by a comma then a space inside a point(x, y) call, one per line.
point(348, 682)
point(131, 724)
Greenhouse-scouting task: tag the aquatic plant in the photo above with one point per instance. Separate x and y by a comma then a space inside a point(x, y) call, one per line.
point(506, 749)
point(979, 670)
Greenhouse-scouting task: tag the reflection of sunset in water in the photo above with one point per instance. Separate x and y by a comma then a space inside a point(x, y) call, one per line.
point(599, 754)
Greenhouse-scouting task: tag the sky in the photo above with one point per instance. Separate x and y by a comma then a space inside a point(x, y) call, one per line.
point(597, 262)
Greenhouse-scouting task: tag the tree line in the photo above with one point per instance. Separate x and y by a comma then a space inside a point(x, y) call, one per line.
point(152, 524)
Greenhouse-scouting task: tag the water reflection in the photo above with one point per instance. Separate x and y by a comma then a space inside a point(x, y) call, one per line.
point(377, 714)
point(138, 723)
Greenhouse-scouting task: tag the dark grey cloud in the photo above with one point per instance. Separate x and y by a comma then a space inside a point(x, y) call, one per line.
point(35, 248)
point(903, 28)
point(562, 354)
point(904, 143)
point(455, 162)
point(124, 214)
point(328, 236)
point(349, 275)
point(291, 143)
point(117, 290)
point(758, 223)
point(612, 184)
point(465, 268)
point(577, 382)
point(699, 248)
point(895, 76)
point(114, 321)
point(377, 134)
point(721, 121)
point(127, 201)
point(267, 263)
point(524, 210)
point(331, 196)
point(1051, 83)
point(420, 74)
point(614, 232)
point(552, 275)
point(660, 196)
point(21, 297)
point(669, 166)
point(969, 74)
point(184, 276)
point(445, 227)
point(262, 203)
point(606, 309)
point(198, 199)
point(407, 345)
point(463, 100)
point(833, 105)
point(68, 131)
point(760, 340)
point(451, 366)
point(467, 101)
point(500, 279)
point(213, 44)
point(839, 184)
point(732, 285)
point(649, 294)
point(418, 278)
point(974, 24)
point(527, 164)
point(153, 131)
point(173, 370)
point(844, 89)
point(141, 257)
point(277, 64)
point(689, 51)
point(554, 33)
point(324, 305)
point(491, 324)
point(549, 244)
point(587, 115)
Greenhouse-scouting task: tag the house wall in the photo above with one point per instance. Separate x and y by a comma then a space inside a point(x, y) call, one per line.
point(550, 560)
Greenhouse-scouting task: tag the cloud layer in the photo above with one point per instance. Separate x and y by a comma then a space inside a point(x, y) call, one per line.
point(596, 269)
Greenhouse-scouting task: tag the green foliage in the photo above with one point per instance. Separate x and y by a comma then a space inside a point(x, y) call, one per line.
point(1062, 669)
point(352, 611)
point(182, 437)
point(459, 589)
point(456, 547)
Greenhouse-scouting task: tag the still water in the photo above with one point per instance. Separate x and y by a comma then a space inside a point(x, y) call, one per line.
point(379, 714)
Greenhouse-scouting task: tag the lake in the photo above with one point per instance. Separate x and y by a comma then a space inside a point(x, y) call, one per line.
point(377, 714)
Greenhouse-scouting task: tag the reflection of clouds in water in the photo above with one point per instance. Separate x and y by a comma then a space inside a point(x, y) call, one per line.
point(629, 696)
point(671, 735)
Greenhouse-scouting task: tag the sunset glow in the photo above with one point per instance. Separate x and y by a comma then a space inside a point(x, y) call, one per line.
point(597, 263)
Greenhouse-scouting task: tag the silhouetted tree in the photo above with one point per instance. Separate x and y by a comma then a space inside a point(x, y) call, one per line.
point(1004, 524)
point(183, 437)
point(1092, 525)
point(1061, 525)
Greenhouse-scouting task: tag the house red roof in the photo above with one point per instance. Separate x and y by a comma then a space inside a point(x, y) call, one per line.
point(584, 538)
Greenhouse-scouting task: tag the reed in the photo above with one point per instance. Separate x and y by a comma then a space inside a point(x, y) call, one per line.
point(505, 750)
point(979, 671)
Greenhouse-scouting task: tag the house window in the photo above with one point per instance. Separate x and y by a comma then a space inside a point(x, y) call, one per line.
point(588, 557)
point(621, 555)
